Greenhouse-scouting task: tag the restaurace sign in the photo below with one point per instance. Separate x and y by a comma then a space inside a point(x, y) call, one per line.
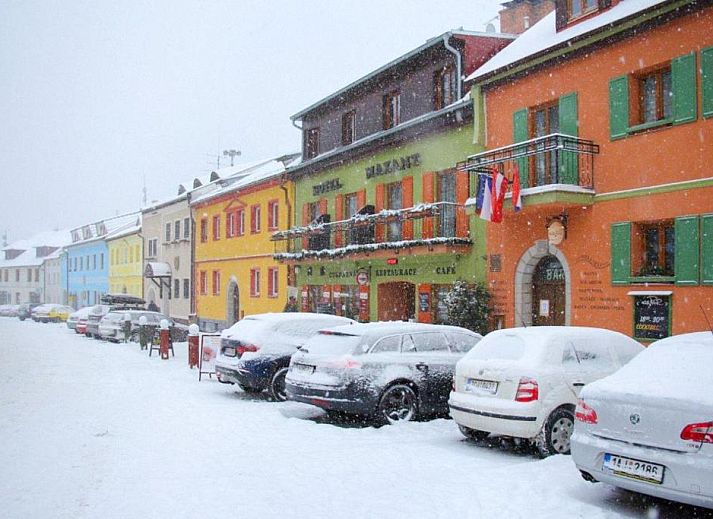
point(393, 165)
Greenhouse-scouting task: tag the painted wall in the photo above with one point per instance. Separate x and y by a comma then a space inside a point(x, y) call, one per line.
point(652, 175)
point(234, 257)
point(126, 265)
point(87, 283)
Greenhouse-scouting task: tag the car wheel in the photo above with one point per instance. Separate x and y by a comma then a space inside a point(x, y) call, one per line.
point(473, 434)
point(555, 435)
point(277, 385)
point(398, 404)
point(249, 389)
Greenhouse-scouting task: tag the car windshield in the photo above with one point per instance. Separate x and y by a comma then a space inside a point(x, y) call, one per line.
point(332, 344)
point(501, 346)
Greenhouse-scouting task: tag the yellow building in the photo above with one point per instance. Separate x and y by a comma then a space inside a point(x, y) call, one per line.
point(234, 272)
point(126, 260)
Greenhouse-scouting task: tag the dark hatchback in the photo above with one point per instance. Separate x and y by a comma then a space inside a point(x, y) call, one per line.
point(390, 371)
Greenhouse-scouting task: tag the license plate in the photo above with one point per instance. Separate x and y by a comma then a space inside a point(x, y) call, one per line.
point(634, 469)
point(229, 352)
point(475, 385)
point(303, 368)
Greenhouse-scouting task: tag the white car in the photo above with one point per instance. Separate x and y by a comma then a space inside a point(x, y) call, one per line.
point(649, 426)
point(255, 352)
point(111, 326)
point(82, 313)
point(525, 382)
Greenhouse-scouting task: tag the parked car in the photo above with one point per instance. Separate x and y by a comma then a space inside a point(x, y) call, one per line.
point(41, 313)
point(74, 317)
point(58, 313)
point(111, 302)
point(111, 326)
point(25, 311)
point(391, 371)
point(524, 382)
point(81, 326)
point(9, 310)
point(93, 318)
point(649, 427)
point(255, 352)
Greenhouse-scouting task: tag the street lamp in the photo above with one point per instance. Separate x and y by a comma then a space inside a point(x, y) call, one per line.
point(232, 154)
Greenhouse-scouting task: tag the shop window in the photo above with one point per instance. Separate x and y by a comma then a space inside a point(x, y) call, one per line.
point(272, 281)
point(440, 306)
point(391, 103)
point(444, 87)
point(348, 127)
point(254, 282)
point(311, 142)
point(203, 282)
point(204, 230)
point(273, 215)
point(255, 219)
point(216, 227)
point(216, 282)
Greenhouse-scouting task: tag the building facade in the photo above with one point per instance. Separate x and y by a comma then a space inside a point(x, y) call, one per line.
point(382, 231)
point(52, 276)
point(604, 123)
point(235, 272)
point(125, 251)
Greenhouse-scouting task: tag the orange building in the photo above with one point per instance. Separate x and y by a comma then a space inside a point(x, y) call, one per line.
point(603, 109)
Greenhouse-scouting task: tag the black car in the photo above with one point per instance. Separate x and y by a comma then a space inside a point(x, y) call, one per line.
point(390, 371)
point(25, 311)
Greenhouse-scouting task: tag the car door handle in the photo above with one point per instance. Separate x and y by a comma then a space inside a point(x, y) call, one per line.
point(577, 384)
point(422, 367)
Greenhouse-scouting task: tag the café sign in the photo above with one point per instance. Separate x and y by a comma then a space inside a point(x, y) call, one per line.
point(394, 165)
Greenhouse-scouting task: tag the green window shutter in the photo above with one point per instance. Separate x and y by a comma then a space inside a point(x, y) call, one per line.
point(620, 253)
point(618, 107)
point(521, 133)
point(686, 263)
point(707, 249)
point(707, 81)
point(683, 85)
point(478, 98)
point(568, 123)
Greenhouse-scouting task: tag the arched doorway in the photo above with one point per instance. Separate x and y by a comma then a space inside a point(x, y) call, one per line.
point(396, 301)
point(233, 303)
point(548, 293)
point(529, 291)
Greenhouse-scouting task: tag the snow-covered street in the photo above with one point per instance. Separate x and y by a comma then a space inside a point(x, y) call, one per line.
point(95, 429)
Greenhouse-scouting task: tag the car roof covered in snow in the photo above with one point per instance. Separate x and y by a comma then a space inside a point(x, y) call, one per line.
point(389, 327)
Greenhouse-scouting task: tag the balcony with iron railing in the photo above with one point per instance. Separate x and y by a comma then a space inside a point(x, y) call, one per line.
point(439, 226)
point(554, 169)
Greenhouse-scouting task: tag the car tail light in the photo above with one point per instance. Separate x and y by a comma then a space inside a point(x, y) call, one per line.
point(527, 390)
point(244, 348)
point(698, 432)
point(584, 413)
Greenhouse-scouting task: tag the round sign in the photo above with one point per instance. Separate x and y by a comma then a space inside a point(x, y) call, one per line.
point(362, 278)
point(555, 232)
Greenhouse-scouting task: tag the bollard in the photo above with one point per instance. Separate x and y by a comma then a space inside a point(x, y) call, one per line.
point(144, 339)
point(193, 346)
point(165, 339)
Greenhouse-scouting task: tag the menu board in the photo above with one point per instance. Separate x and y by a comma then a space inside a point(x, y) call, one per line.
point(652, 317)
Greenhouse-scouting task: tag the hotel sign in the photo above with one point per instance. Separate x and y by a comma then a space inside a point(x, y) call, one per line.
point(394, 165)
point(325, 187)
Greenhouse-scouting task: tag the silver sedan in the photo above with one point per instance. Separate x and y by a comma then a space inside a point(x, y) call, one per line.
point(648, 427)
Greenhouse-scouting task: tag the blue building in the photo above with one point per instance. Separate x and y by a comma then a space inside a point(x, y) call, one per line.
point(86, 261)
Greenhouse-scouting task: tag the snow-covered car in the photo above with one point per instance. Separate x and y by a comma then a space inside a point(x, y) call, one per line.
point(9, 310)
point(111, 326)
point(649, 427)
point(25, 311)
point(255, 352)
point(41, 313)
point(524, 382)
point(74, 317)
point(391, 371)
point(95, 315)
point(58, 313)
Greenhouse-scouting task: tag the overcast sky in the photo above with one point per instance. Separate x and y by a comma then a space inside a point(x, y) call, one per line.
point(96, 95)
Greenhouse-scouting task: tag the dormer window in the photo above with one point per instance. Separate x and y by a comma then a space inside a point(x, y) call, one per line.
point(311, 140)
point(444, 86)
point(348, 122)
point(392, 109)
point(578, 8)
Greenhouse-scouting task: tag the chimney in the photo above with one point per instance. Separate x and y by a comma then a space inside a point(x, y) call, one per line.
point(519, 15)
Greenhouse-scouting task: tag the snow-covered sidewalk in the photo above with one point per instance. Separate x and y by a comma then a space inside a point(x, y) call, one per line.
point(95, 429)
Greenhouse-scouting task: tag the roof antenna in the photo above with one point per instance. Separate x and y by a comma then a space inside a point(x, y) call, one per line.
point(706, 316)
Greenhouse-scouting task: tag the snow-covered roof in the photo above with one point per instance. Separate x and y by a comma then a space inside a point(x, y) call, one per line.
point(385, 327)
point(247, 175)
point(30, 246)
point(130, 227)
point(103, 228)
point(543, 35)
point(157, 269)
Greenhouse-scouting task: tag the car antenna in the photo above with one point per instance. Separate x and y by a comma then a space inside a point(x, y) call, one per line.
point(706, 316)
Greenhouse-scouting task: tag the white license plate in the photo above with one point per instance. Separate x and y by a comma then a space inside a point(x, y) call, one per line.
point(229, 352)
point(475, 385)
point(634, 469)
point(303, 368)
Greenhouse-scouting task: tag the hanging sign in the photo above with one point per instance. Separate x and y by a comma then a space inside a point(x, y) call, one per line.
point(651, 317)
point(210, 345)
point(362, 277)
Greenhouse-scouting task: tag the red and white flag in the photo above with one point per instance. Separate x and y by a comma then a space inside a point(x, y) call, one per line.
point(500, 187)
point(516, 196)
